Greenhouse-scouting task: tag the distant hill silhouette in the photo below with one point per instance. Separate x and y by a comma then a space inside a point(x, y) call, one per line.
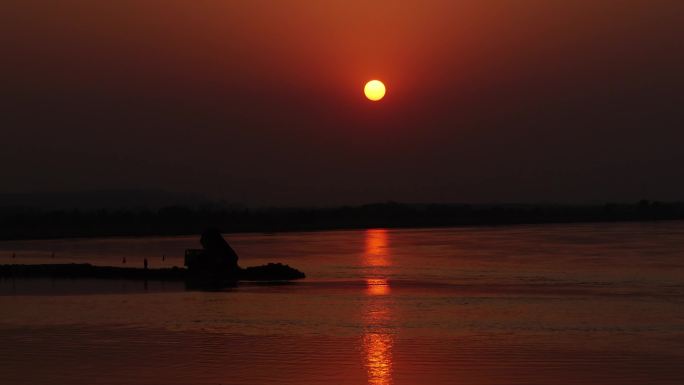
point(35, 223)
point(99, 199)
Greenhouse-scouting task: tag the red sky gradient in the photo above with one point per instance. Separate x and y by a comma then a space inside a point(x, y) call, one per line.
point(261, 102)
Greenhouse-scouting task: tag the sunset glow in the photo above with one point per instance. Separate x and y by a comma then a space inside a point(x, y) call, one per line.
point(374, 90)
point(342, 192)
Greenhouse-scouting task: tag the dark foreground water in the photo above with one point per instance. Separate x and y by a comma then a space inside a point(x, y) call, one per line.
point(559, 304)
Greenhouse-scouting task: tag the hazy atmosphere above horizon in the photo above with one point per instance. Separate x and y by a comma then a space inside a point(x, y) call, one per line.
point(262, 102)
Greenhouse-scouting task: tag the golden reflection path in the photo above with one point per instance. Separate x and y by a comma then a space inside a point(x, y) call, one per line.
point(376, 252)
point(378, 339)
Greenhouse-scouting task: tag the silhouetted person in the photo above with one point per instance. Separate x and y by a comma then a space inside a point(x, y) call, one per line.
point(145, 263)
point(123, 260)
point(14, 255)
point(164, 257)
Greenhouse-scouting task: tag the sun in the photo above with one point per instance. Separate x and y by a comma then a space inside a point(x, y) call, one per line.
point(374, 90)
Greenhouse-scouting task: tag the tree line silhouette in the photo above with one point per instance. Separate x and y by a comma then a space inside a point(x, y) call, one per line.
point(31, 223)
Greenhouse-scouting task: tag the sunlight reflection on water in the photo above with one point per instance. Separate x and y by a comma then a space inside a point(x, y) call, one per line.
point(537, 305)
point(378, 339)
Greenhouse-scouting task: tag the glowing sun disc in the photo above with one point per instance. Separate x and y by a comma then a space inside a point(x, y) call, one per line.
point(374, 90)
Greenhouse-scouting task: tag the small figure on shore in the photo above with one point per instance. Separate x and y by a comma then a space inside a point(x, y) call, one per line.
point(145, 263)
point(164, 257)
point(14, 255)
point(123, 260)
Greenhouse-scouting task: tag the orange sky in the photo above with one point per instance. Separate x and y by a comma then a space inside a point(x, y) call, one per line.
point(551, 98)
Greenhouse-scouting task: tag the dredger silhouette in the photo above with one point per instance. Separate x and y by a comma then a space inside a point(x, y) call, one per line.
point(215, 266)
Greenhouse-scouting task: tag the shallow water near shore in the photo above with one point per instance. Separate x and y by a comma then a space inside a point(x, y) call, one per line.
point(552, 304)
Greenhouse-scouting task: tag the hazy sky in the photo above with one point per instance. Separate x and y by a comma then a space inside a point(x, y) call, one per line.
point(261, 102)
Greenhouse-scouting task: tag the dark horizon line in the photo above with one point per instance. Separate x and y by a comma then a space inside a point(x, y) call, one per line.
point(158, 198)
point(183, 220)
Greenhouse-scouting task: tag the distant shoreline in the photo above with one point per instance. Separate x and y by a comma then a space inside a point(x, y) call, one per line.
point(37, 224)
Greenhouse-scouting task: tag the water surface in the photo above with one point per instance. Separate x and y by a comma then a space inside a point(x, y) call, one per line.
point(554, 304)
